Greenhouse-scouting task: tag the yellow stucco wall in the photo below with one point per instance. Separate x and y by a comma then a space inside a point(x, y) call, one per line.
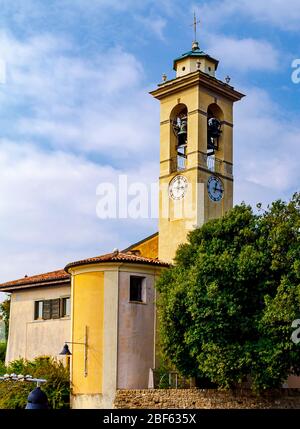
point(88, 311)
point(148, 248)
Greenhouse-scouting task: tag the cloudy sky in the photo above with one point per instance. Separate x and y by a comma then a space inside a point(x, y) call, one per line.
point(75, 112)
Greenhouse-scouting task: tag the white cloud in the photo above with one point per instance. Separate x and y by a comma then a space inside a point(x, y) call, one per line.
point(243, 55)
point(48, 209)
point(266, 150)
point(282, 14)
point(156, 24)
point(66, 111)
point(84, 104)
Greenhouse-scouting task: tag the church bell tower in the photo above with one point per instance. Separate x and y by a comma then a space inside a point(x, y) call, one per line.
point(196, 148)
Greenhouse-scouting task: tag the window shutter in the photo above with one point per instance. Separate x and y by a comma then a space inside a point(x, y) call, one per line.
point(36, 310)
point(55, 308)
point(47, 309)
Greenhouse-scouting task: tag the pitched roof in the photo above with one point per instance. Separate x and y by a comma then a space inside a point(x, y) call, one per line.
point(195, 53)
point(140, 242)
point(62, 277)
point(53, 277)
point(118, 257)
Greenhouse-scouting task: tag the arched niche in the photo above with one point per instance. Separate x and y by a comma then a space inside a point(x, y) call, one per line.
point(179, 133)
point(215, 118)
point(214, 111)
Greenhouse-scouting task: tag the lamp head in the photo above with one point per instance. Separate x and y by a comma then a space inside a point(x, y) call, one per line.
point(65, 351)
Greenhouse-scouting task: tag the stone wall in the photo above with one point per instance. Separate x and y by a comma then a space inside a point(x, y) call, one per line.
point(209, 399)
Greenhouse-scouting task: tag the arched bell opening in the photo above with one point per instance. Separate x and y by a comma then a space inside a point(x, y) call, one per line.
point(179, 124)
point(215, 117)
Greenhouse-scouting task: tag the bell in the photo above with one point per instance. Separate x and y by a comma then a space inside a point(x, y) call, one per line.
point(183, 127)
point(214, 128)
point(182, 133)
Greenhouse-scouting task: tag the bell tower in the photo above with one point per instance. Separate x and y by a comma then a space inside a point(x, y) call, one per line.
point(196, 148)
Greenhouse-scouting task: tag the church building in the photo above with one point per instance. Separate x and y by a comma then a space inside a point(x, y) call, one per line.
point(103, 308)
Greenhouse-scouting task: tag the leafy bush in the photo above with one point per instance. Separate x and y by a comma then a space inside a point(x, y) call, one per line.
point(13, 395)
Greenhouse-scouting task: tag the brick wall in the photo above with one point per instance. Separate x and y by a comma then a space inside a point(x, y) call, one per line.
point(198, 398)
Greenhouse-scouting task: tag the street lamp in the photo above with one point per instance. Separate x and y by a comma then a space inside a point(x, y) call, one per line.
point(66, 351)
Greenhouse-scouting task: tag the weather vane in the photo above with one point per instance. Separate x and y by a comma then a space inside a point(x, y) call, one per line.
point(195, 26)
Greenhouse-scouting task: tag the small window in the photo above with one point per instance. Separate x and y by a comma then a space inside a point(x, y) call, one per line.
point(136, 288)
point(66, 307)
point(38, 310)
point(183, 68)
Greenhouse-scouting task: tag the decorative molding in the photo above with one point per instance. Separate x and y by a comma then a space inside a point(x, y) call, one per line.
point(206, 170)
point(117, 267)
point(64, 282)
point(194, 79)
point(202, 112)
point(167, 121)
point(227, 123)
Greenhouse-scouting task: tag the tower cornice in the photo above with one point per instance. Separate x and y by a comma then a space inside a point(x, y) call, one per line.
point(196, 78)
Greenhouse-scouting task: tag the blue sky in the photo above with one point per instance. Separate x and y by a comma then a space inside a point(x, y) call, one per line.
point(75, 111)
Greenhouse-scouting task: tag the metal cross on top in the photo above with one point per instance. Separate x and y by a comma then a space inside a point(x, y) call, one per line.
point(195, 26)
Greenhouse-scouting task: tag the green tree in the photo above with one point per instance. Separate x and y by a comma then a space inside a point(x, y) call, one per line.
point(227, 305)
point(4, 313)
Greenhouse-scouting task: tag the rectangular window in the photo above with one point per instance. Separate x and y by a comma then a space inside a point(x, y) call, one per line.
point(66, 307)
point(52, 308)
point(136, 289)
point(38, 310)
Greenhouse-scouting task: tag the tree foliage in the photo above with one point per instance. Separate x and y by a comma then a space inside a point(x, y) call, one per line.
point(4, 313)
point(227, 305)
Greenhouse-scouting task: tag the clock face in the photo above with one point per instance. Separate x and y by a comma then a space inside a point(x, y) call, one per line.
point(215, 188)
point(178, 187)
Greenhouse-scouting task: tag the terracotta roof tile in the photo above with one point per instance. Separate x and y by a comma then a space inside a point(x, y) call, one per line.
point(50, 277)
point(118, 257)
point(62, 275)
